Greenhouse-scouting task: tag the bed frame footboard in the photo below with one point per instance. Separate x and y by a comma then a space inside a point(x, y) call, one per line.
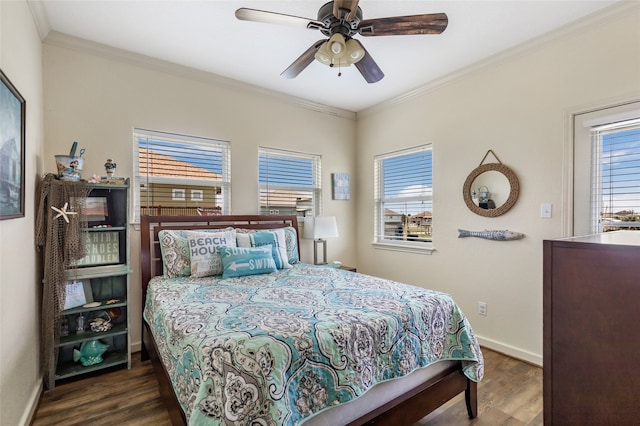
point(412, 406)
point(405, 410)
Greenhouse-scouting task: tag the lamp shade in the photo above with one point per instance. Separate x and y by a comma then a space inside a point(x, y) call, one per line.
point(320, 227)
point(340, 52)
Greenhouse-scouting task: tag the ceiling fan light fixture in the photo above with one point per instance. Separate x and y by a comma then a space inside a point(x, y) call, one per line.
point(336, 46)
point(340, 21)
point(323, 57)
point(355, 52)
point(337, 51)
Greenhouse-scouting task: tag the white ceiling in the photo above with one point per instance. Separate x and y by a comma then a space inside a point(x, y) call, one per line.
point(205, 35)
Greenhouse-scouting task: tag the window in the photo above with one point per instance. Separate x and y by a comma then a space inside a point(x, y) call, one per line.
point(170, 166)
point(404, 198)
point(177, 194)
point(289, 182)
point(615, 185)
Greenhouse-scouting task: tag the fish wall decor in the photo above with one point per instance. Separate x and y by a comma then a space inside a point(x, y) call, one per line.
point(496, 235)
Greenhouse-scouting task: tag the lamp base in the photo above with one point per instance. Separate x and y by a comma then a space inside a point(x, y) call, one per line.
point(324, 251)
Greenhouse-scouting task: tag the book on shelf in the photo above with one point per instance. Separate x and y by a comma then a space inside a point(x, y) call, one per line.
point(113, 180)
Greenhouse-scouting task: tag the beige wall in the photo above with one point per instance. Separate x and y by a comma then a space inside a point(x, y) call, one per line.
point(98, 101)
point(20, 60)
point(517, 106)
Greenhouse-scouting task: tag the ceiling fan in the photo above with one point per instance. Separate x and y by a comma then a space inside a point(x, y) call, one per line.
point(340, 20)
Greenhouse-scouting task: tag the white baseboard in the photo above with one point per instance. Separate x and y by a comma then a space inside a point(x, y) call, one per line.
point(32, 404)
point(511, 351)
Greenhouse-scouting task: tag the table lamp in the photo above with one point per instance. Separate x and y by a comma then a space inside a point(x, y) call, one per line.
point(318, 228)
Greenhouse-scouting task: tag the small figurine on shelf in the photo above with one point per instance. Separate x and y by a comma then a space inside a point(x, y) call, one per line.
point(90, 352)
point(110, 168)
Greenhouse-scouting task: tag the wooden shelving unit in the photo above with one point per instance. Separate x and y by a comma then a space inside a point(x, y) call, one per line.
point(105, 273)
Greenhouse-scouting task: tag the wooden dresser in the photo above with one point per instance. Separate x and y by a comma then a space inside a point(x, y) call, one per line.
point(591, 302)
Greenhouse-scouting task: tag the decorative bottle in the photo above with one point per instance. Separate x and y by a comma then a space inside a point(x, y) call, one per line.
point(64, 330)
point(80, 324)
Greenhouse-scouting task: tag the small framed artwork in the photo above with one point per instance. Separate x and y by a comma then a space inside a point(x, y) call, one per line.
point(77, 294)
point(96, 209)
point(341, 186)
point(12, 145)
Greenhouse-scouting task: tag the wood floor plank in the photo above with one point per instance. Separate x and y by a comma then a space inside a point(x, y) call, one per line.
point(510, 395)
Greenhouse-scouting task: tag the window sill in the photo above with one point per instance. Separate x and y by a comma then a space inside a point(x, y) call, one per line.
point(418, 249)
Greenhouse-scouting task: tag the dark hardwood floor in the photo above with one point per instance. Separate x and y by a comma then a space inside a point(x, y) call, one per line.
point(510, 394)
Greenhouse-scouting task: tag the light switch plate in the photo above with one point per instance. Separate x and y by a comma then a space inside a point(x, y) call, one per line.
point(545, 210)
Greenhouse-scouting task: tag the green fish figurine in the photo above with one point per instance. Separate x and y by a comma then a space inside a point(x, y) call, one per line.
point(90, 352)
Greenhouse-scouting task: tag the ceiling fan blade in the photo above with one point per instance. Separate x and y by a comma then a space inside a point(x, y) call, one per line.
point(368, 67)
point(432, 23)
point(246, 14)
point(303, 60)
point(340, 6)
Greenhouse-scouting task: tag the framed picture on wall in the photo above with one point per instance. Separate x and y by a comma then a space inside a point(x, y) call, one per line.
point(341, 186)
point(12, 144)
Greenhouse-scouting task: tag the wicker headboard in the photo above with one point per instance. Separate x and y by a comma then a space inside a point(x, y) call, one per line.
point(150, 256)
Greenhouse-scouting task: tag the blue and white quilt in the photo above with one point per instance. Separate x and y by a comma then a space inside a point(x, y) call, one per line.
point(278, 348)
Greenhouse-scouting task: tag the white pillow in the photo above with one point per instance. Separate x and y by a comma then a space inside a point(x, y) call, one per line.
point(204, 249)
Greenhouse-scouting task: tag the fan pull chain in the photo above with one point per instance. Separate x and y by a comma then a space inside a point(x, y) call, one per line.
point(332, 64)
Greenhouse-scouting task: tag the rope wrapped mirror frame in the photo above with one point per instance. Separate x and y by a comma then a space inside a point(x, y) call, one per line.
point(514, 188)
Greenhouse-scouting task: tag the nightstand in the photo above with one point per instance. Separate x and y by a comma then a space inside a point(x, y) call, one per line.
point(348, 268)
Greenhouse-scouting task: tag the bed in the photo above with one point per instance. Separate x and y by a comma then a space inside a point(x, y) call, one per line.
point(301, 344)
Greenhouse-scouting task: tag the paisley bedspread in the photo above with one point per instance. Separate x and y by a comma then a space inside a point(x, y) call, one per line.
point(278, 348)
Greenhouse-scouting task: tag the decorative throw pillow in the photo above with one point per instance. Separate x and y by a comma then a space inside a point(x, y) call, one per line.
point(291, 239)
point(275, 238)
point(175, 253)
point(204, 249)
point(241, 261)
point(174, 247)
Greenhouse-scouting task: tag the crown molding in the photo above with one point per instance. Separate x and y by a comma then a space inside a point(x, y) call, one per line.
point(40, 18)
point(611, 13)
point(58, 39)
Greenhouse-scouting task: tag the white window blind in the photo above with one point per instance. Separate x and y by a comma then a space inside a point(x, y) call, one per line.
point(615, 193)
point(289, 182)
point(172, 168)
point(404, 197)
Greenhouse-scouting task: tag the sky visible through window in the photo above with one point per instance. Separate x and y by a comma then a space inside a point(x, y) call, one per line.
point(208, 158)
point(407, 177)
point(294, 172)
point(621, 171)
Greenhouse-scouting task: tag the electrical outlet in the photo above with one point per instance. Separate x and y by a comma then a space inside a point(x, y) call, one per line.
point(482, 308)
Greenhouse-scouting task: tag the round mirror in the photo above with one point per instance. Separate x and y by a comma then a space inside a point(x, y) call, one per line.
point(491, 189)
